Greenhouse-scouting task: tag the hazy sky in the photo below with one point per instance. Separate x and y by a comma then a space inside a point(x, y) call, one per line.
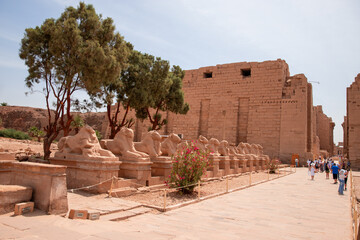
point(320, 38)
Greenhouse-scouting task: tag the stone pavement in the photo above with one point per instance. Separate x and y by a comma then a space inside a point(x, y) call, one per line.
point(292, 207)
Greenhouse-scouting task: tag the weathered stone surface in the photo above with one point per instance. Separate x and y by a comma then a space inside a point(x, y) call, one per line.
point(169, 145)
point(47, 181)
point(352, 124)
point(83, 145)
point(123, 145)
point(150, 144)
point(12, 194)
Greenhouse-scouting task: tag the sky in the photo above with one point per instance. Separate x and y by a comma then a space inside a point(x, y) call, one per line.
point(319, 38)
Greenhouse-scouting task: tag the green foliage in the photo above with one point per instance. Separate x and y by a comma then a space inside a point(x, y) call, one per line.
point(12, 133)
point(157, 88)
point(35, 132)
point(3, 104)
point(98, 135)
point(190, 163)
point(79, 50)
point(77, 123)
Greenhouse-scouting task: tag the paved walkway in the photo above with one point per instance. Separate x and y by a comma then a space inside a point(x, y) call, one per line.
point(291, 207)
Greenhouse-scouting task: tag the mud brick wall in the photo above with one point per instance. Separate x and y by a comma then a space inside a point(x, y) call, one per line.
point(353, 123)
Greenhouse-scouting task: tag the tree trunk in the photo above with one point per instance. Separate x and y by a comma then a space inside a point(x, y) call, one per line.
point(47, 151)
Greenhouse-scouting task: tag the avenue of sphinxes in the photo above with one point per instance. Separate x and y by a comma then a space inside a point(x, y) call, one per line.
point(253, 102)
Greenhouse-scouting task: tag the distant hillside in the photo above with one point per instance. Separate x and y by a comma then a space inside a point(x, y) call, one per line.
point(22, 118)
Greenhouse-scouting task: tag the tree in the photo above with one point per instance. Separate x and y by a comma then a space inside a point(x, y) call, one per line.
point(35, 132)
point(167, 94)
point(77, 123)
point(70, 53)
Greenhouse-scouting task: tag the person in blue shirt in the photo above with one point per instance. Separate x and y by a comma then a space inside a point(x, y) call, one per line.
point(335, 172)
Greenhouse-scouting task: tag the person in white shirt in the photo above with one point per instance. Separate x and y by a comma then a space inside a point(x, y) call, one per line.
point(342, 174)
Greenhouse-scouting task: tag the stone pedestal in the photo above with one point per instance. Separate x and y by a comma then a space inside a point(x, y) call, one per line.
point(215, 166)
point(139, 170)
point(82, 172)
point(262, 163)
point(161, 166)
point(249, 163)
point(256, 163)
point(234, 165)
point(224, 165)
point(242, 163)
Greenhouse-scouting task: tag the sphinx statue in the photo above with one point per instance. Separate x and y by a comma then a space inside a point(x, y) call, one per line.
point(261, 152)
point(123, 145)
point(223, 148)
point(169, 145)
point(213, 146)
point(201, 143)
point(84, 144)
point(150, 144)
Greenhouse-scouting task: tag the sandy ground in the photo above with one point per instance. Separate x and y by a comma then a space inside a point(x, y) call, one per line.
point(207, 188)
point(14, 145)
point(291, 207)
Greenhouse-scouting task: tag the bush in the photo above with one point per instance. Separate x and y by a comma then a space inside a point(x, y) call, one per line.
point(3, 104)
point(35, 132)
point(12, 133)
point(189, 165)
point(273, 165)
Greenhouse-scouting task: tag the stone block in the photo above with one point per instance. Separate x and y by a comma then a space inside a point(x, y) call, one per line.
point(78, 214)
point(23, 208)
point(93, 215)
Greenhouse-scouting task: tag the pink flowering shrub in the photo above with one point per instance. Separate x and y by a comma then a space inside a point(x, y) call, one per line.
point(273, 165)
point(189, 165)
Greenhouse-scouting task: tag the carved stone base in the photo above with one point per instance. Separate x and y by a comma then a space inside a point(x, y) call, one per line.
point(161, 166)
point(82, 173)
point(215, 166)
point(249, 163)
point(234, 165)
point(224, 165)
point(141, 171)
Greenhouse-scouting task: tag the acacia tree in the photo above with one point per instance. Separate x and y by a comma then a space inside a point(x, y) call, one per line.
point(68, 54)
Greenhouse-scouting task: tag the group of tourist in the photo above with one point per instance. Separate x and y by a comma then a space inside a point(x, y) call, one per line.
point(340, 173)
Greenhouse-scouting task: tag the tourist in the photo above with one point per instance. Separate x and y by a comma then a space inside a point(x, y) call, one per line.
point(296, 162)
point(335, 172)
point(317, 165)
point(342, 175)
point(308, 162)
point(327, 169)
point(312, 170)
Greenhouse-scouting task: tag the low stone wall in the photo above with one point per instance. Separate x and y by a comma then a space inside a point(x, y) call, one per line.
point(47, 181)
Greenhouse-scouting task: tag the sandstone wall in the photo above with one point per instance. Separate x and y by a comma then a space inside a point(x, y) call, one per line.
point(353, 123)
point(325, 128)
point(345, 137)
point(255, 102)
point(239, 102)
point(296, 118)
